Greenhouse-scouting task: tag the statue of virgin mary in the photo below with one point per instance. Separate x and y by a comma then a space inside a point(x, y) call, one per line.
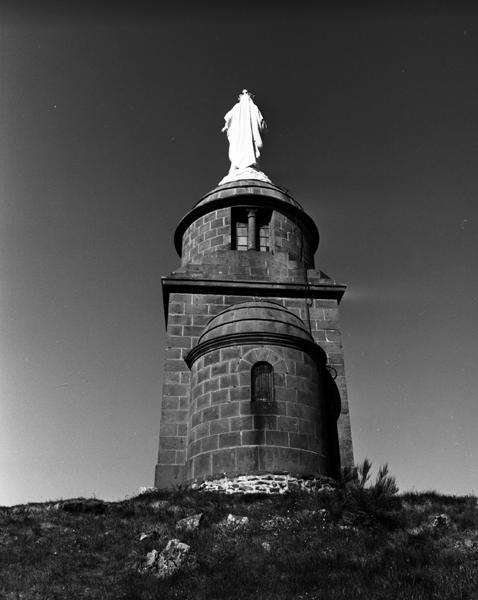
point(244, 126)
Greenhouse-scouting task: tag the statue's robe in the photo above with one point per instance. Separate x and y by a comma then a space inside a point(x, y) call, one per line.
point(244, 125)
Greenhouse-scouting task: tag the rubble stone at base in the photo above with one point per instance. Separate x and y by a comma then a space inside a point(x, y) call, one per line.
point(269, 483)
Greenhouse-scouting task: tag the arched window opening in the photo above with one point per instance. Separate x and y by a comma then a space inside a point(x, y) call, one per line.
point(262, 382)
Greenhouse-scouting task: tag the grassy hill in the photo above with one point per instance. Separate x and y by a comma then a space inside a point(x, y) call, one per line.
point(355, 541)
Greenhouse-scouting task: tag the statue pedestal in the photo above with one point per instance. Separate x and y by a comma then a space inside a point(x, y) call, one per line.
point(246, 173)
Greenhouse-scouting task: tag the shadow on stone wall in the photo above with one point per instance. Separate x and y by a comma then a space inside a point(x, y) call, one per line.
point(332, 411)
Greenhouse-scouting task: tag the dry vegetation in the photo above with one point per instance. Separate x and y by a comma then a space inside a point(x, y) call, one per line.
point(360, 540)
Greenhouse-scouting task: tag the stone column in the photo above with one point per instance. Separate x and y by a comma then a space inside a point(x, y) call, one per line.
point(251, 229)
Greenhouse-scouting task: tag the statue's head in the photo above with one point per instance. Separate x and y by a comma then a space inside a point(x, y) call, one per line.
point(245, 94)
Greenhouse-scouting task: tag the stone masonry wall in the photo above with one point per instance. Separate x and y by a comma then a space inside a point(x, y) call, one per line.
point(212, 232)
point(266, 483)
point(323, 318)
point(230, 434)
point(188, 314)
point(208, 233)
point(286, 236)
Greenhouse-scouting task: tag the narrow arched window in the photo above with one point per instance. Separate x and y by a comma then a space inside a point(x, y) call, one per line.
point(262, 382)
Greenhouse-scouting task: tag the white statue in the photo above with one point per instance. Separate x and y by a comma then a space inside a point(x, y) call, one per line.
point(244, 126)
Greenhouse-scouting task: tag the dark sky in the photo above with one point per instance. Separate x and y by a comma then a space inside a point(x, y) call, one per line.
point(110, 124)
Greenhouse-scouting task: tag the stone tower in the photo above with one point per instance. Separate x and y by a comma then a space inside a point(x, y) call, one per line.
point(254, 373)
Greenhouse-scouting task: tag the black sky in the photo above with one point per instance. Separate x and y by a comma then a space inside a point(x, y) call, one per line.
point(110, 120)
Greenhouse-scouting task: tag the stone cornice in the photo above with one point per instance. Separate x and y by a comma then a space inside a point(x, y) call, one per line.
point(253, 338)
point(249, 186)
point(188, 285)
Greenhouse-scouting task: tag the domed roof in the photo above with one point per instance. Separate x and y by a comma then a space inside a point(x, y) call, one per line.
point(260, 316)
point(249, 187)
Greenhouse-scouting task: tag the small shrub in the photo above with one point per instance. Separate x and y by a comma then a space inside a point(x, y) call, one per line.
point(366, 503)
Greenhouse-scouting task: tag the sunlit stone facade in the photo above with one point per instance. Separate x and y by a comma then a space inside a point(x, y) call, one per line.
point(254, 377)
